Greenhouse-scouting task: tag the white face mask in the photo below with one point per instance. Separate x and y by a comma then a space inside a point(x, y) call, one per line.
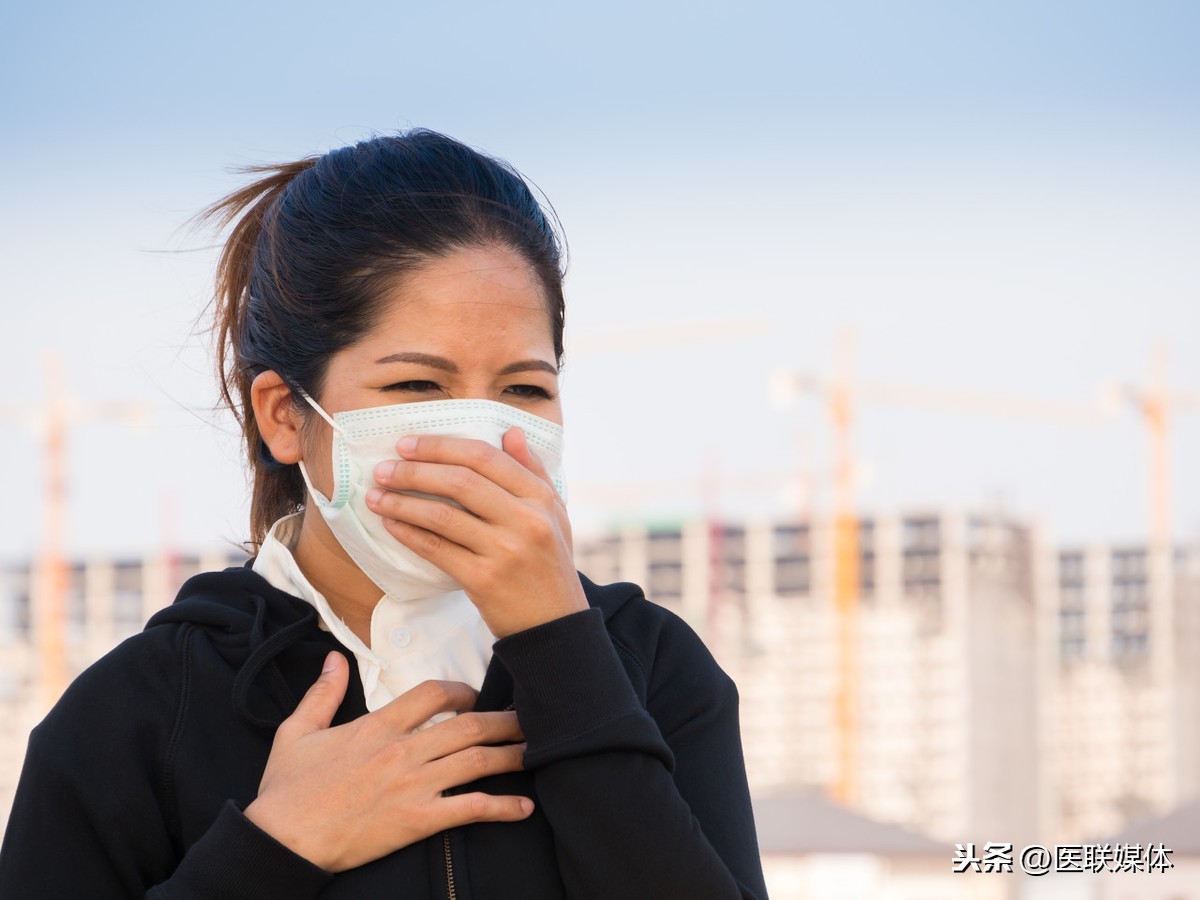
point(362, 438)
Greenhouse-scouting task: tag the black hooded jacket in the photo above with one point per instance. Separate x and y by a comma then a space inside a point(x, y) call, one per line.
point(134, 783)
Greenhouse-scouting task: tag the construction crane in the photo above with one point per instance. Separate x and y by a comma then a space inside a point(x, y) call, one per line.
point(1157, 406)
point(842, 395)
point(49, 594)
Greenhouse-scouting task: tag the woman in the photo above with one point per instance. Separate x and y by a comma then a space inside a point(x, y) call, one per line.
point(390, 324)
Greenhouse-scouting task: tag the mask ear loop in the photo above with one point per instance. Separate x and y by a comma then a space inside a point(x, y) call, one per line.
point(320, 412)
point(313, 492)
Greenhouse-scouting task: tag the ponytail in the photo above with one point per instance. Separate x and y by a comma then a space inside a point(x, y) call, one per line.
point(276, 489)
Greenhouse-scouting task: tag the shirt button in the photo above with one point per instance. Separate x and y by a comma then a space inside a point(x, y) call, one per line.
point(400, 637)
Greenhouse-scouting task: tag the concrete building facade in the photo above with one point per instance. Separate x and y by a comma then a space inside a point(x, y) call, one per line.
point(946, 664)
point(1128, 687)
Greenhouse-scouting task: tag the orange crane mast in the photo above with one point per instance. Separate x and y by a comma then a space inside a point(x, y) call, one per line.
point(50, 586)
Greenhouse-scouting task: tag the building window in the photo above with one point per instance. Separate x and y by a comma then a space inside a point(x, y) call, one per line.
point(866, 558)
point(1070, 568)
point(127, 593)
point(728, 551)
point(921, 533)
point(1072, 633)
point(791, 560)
point(1130, 605)
point(921, 570)
point(664, 576)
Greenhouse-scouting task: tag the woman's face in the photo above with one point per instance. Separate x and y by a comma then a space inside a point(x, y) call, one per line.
point(471, 325)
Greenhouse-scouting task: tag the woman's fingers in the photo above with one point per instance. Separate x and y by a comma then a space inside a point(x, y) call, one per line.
point(418, 705)
point(494, 464)
point(320, 702)
point(435, 516)
point(444, 553)
point(474, 763)
point(473, 475)
point(464, 809)
point(510, 544)
point(516, 444)
point(470, 730)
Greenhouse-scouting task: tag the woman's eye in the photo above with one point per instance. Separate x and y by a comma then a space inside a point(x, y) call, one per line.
point(529, 390)
point(415, 387)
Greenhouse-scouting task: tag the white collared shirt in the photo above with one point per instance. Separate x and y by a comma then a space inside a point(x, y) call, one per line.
point(441, 637)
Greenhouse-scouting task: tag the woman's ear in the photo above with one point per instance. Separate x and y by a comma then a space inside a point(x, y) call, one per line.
point(278, 421)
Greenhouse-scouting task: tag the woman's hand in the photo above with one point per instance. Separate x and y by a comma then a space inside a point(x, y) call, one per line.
point(341, 797)
point(510, 547)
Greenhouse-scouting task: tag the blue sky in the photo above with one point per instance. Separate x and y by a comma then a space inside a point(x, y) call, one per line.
point(995, 197)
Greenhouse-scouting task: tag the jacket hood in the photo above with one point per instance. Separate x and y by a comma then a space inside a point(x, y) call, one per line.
point(251, 623)
point(230, 602)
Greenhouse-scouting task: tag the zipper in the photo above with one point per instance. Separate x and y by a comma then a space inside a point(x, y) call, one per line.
point(450, 892)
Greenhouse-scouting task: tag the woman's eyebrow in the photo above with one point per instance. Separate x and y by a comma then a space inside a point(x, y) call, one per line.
point(446, 365)
point(422, 359)
point(528, 365)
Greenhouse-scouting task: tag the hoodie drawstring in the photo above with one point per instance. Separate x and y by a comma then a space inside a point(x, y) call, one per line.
point(262, 653)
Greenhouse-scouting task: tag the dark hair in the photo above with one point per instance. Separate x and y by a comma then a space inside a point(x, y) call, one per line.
point(315, 244)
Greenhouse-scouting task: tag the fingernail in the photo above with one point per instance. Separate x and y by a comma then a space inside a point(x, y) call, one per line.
point(526, 805)
point(374, 495)
point(330, 662)
point(407, 445)
point(384, 470)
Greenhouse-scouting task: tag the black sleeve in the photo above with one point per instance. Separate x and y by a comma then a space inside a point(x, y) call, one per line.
point(90, 814)
point(645, 801)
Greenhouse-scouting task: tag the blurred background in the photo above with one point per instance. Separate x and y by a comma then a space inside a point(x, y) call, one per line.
point(880, 371)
